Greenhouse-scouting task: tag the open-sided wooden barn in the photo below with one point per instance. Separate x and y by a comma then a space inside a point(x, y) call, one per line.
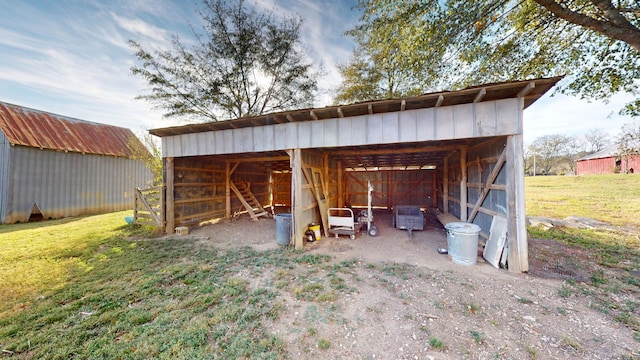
point(52, 166)
point(459, 152)
point(607, 161)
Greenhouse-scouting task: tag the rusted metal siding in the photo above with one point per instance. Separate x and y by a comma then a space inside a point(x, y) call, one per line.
point(69, 184)
point(42, 130)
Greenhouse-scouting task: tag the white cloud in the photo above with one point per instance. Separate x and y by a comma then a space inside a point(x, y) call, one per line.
point(140, 28)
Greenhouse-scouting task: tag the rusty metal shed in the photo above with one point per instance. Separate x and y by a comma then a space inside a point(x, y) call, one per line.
point(52, 166)
point(457, 152)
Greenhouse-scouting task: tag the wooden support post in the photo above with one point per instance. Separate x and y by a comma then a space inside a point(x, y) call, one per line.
point(463, 184)
point(171, 216)
point(445, 186)
point(227, 191)
point(518, 255)
point(340, 185)
point(434, 187)
point(325, 173)
point(390, 190)
point(296, 199)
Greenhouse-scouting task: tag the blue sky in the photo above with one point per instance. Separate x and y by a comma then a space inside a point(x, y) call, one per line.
point(71, 58)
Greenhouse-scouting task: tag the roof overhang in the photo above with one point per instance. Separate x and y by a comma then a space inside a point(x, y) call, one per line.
point(528, 90)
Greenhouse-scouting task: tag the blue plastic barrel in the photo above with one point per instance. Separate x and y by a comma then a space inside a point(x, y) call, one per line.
point(283, 229)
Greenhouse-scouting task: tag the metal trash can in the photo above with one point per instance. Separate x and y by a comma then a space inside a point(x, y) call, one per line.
point(283, 229)
point(462, 242)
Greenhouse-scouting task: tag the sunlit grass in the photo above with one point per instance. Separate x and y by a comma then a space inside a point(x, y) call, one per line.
point(611, 198)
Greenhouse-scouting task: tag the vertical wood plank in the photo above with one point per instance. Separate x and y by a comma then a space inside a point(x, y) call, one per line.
point(227, 190)
point(296, 199)
point(518, 258)
point(434, 187)
point(445, 186)
point(463, 184)
point(340, 186)
point(170, 199)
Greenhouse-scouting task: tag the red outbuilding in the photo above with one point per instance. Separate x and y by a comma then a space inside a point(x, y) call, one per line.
point(607, 162)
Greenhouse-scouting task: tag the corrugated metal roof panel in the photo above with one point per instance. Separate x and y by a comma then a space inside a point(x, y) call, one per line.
point(528, 90)
point(609, 151)
point(39, 129)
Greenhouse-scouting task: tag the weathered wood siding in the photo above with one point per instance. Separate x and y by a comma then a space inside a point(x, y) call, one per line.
point(480, 162)
point(484, 119)
point(200, 191)
point(391, 188)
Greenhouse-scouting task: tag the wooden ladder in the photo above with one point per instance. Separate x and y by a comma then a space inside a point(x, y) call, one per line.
point(249, 201)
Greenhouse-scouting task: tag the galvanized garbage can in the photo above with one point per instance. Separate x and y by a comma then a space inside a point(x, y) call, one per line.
point(462, 242)
point(283, 229)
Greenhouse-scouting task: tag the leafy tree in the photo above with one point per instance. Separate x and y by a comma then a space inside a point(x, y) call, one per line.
point(549, 149)
point(244, 63)
point(629, 143)
point(457, 43)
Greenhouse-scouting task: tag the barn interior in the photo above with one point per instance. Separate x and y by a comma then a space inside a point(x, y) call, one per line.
point(423, 175)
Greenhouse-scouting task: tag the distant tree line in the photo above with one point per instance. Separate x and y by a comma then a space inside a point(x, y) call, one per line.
point(557, 154)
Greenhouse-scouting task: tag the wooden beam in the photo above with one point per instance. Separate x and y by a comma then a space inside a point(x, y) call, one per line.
point(340, 112)
point(262, 159)
point(445, 186)
point(403, 105)
point(313, 115)
point(463, 184)
point(370, 109)
point(480, 95)
point(290, 118)
point(487, 185)
point(439, 101)
point(527, 89)
point(233, 169)
point(424, 149)
point(518, 254)
point(296, 198)
point(227, 190)
point(170, 211)
point(340, 186)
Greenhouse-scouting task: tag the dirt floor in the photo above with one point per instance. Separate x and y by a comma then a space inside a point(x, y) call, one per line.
point(407, 301)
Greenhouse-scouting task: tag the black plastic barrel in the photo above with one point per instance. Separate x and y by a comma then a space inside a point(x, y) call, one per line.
point(283, 229)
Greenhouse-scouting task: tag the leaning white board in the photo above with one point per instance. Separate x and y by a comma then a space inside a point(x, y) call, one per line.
point(495, 244)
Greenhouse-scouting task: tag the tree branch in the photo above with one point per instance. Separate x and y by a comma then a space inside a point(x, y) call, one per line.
point(618, 27)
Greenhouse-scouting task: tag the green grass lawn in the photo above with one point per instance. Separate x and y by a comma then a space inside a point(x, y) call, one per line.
point(611, 198)
point(77, 288)
point(85, 288)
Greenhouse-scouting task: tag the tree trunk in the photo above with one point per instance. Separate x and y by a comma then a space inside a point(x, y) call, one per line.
point(615, 27)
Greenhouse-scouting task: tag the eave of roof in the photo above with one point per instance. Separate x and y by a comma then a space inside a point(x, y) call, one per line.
point(39, 129)
point(529, 90)
point(609, 151)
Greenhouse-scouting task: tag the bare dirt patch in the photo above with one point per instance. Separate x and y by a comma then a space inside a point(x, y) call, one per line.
point(395, 297)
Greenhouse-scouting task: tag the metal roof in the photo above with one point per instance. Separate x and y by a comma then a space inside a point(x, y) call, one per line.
point(529, 90)
point(39, 129)
point(609, 151)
